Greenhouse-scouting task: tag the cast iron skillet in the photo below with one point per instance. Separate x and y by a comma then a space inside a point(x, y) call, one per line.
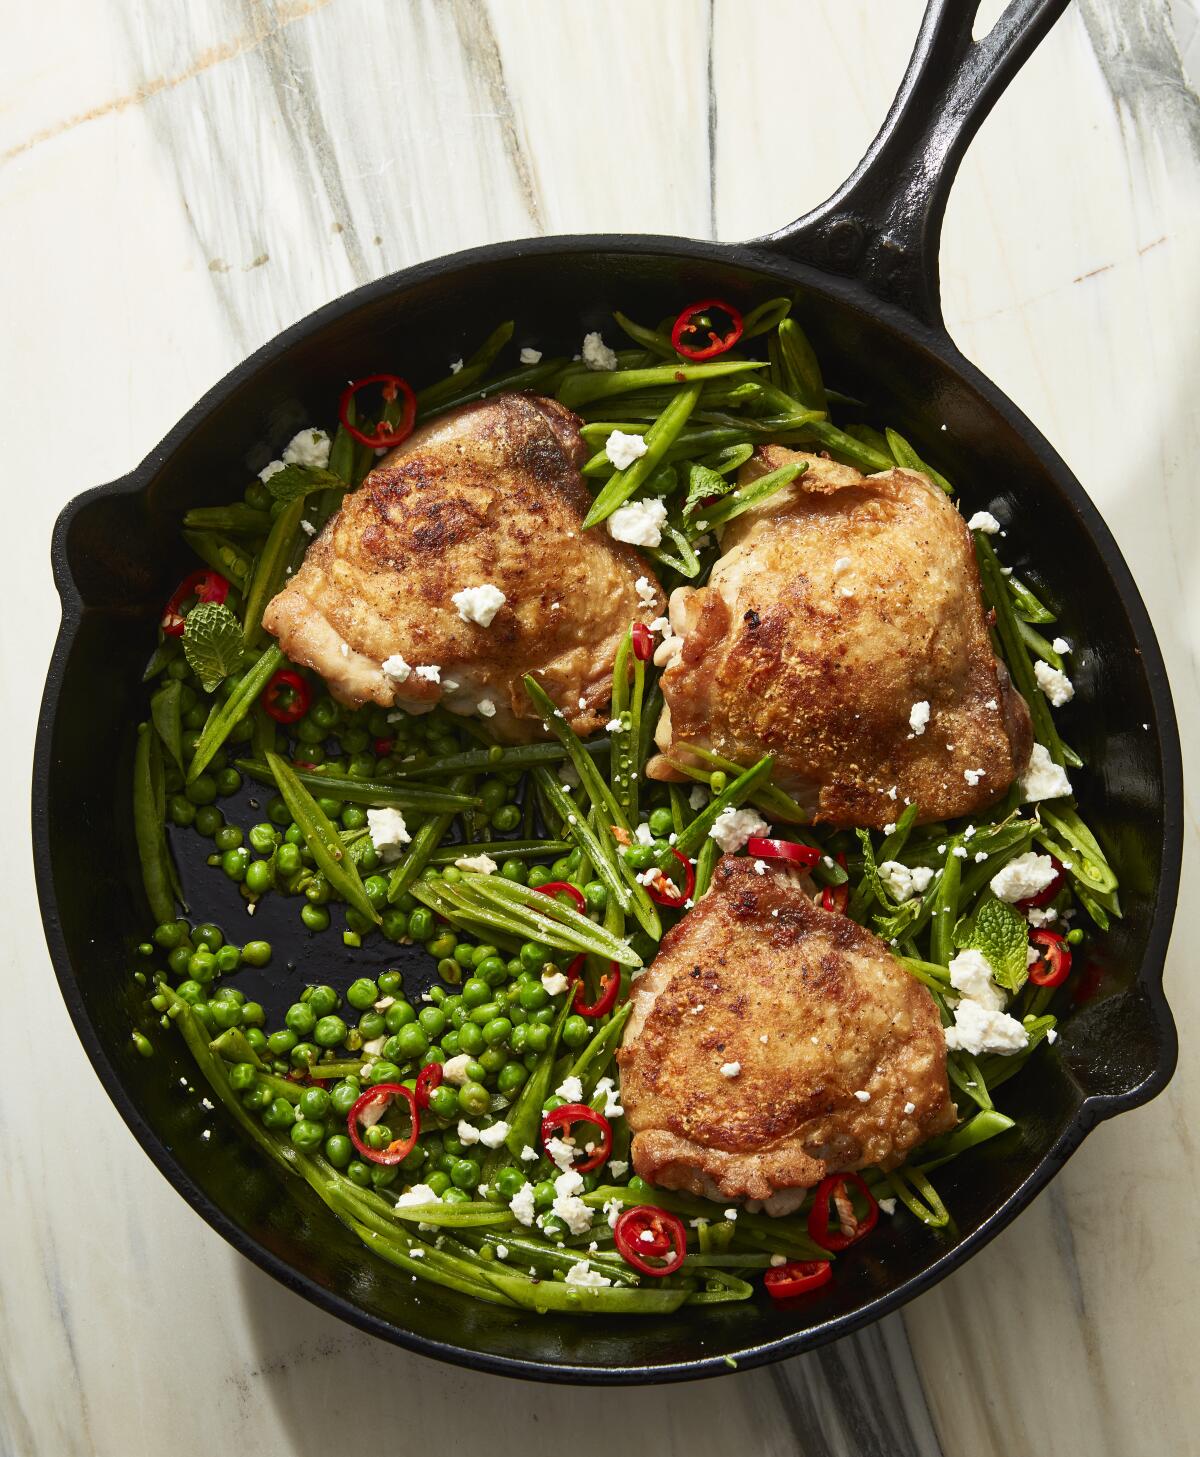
point(864, 270)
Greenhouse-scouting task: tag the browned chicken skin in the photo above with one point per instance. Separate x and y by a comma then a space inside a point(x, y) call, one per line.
point(811, 1009)
point(836, 606)
point(489, 494)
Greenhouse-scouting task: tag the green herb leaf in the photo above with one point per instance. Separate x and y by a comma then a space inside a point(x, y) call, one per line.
point(294, 481)
point(703, 482)
point(212, 643)
point(998, 931)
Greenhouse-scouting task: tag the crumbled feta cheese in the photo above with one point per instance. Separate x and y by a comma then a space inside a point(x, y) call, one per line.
point(554, 982)
point(418, 1194)
point(647, 596)
point(502, 1252)
point(521, 1205)
point(618, 1168)
point(455, 365)
point(430, 672)
point(467, 1132)
point(481, 864)
point(1036, 916)
point(918, 716)
point(862, 1095)
point(613, 726)
point(979, 1029)
point(388, 832)
point(971, 974)
point(760, 867)
point(1051, 1035)
point(973, 776)
point(569, 1207)
point(561, 1152)
point(596, 354)
point(992, 704)
point(272, 468)
point(529, 1155)
point(1061, 645)
point(638, 522)
point(570, 1090)
point(494, 1136)
point(395, 668)
point(660, 625)
point(910, 1109)
point(698, 796)
point(309, 447)
point(1044, 779)
point(1054, 683)
point(730, 1069)
point(902, 882)
point(731, 1214)
point(583, 1274)
point(1022, 877)
point(887, 1205)
point(530, 356)
point(734, 827)
point(307, 527)
point(612, 1102)
point(644, 835)
point(984, 521)
point(479, 604)
point(622, 450)
point(454, 1069)
point(487, 709)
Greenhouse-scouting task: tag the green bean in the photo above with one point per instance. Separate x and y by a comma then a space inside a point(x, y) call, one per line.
point(918, 1195)
point(534, 1252)
point(512, 849)
point(1000, 600)
point(1089, 864)
point(932, 974)
point(800, 367)
point(438, 1274)
point(963, 1071)
point(706, 863)
point(864, 895)
point(368, 791)
point(658, 438)
point(1037, 645)
point(549, 920)
point(423, 844)
point(876, 439)
point(765, 317)
point(281, 543)
point(166, 714)
point(225, 718)
point(236, 519)
point(496, 759)
point(525, 1115)
point(456, 1216)
point(149, 825)
point(544, 377)
point(727, 1287)
point(222, 555)
point(984, 1125)
point(1026, 604)
point(321, 838)
point(582, 389)
point(589, 776)
point(907, 457)
point(945, 911)
point(231, 1046)
point(437, 396)
point(652, 340)
point(773, 801)
point(683, 560)
point(735, 794)
point(595, 1055)
point(838, 443)
point(744, 498)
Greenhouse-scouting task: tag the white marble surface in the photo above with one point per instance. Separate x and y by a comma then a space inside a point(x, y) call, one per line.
point(177, 183)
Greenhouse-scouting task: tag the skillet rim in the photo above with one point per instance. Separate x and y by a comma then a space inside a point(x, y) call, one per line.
point(766, 258)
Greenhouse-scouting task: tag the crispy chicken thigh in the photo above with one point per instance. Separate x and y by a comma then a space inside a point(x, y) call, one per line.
point(772, 1043)
point(842, 609)
point(488, 495)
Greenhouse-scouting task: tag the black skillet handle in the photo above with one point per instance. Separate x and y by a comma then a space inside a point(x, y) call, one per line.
point(883, 225)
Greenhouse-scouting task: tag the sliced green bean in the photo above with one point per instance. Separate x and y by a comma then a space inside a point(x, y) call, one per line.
point(282, 542)
point(596, 384)
point(368, 791)
point(224, 719)
point(321, 838)
point(167, 715)
point(744, 498)
point(907, 457)
point(658, 438)
point(222, 555)
point(731, 797)
point(800, 367)
point(149, 825)
point(236, 519)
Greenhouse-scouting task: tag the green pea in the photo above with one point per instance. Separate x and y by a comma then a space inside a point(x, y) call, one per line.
point(288, 860)
point(229, 781)
point(493, 792)
point(1074, 936)
point(506, 818)
point(384, 1072)
point(354, 817)
point(456, 1196)
point(470, 1039)
point(474, 1099)
point(300, 1018)
point(344, 1094)
point(519, 1041)
point(304, 1054)
point(449, 1044)
point(483, 1015)
point(371, 1025)
point(235, 863)
point(537, 875)
point(263, 838)
point(191, 992)
point(202, 789)
point(662, 823)
point(282, 1042)
point(492, 1059)
point(315, 1103)
point(534, 955)
point(294, 835)
point(307, 1134)
point(443, 1101)
point(255, 1036)
point(411, 1041)
point(253, 1014)
point(442, 944)
point(544, 1015)
point(330, 1032)
point(561, 869)
point(439, 1182)
point(390, 982)
point(465, 1174)
point(280, 1114)
point(533, 995)
point(398, 1015)
point(454, 1147)
point(339, 1150)
point(508, 1182)
point(376, 888)
point(639, 857)
point(596, 895)
point(278, 813)
point(515, 871)
point(318, 891)
point(493, 970)
point(322, 999)
point(228, 993)
point(449, 970)
point(575, 1032)
point(226, 1013)
point(510, 1077)
point(202, 966)
point(209, 820)
point(242, 1076)
point(475, 992)
point(359, 1173)
point(258, 877)
point(433, 1021)
point(182, 810)
point(544, 1194)
point(316, 918)
point(497, 1031)
point(362, 994)
point(420, 924)
point(208, 936)
point(256, 953)
point(395, 925)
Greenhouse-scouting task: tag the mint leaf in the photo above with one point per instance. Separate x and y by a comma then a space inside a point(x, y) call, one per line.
point(702, 483)
point(212, 643)
point(294, 481)
point(997, 930)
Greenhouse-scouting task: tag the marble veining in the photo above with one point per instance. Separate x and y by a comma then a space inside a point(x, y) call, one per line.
point(180, 182)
